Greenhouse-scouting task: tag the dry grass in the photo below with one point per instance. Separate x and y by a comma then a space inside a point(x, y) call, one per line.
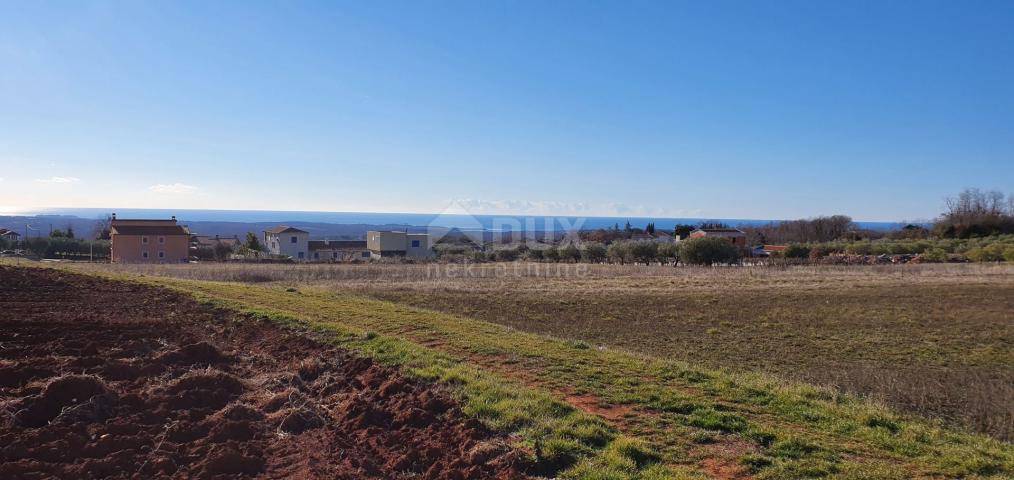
point(933, 339)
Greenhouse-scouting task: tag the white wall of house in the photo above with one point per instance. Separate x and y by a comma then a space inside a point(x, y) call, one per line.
point(289, 244)
point(416, 245)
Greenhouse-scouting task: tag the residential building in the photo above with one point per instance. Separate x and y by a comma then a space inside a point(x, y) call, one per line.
point(398, 244)
point(657, 237)
point(338, 250)
point(734, 235)
point(774, 249)
point(148, 241)
point(208, 241)
point(288, 242)
point(9, 234)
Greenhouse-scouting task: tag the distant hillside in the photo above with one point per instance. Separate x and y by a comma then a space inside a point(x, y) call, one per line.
point(40, 225)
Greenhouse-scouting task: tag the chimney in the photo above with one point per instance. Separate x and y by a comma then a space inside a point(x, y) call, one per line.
point(174, 218)
point(114, 215)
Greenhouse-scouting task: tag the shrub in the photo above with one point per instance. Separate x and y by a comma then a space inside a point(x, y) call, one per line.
point(1008, 254)
point(934, 255)
point(644, 251)
point(708, 251)
point(819, 252)
point(989, 253)
point(618, 252)
point(505, 255)
point(551, 254)
point(860, 248)
point(796, 250)
point(593, 252)
point(668, 252)
point(570, 253)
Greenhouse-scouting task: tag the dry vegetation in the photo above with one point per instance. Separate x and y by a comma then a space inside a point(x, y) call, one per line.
point(933, 339)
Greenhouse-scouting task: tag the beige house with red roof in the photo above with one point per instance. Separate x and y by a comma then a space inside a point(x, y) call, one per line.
point(148, 241)
point(734, 235)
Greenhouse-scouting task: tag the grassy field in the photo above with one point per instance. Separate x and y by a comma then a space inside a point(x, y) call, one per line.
point(937, 340)
point(636, 348)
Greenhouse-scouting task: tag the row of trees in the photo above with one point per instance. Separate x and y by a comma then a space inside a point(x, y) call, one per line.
point(977, 249)
point(60, 247)
point(976, 213)
point(819, 229)
point(698, 251)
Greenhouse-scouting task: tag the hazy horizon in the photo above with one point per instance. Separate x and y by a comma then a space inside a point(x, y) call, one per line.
point(456, 219)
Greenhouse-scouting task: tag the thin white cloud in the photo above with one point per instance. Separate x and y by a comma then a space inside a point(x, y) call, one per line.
point(173, 188)
point(58, 180)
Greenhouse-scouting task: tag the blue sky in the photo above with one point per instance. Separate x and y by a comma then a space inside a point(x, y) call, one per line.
point(705, 109)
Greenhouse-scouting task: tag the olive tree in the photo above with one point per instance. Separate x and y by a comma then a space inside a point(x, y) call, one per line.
point(570, 253)
point(593, 252)
point(668, 252)
point(618, 252)
point(644, 251)
point(708, 251)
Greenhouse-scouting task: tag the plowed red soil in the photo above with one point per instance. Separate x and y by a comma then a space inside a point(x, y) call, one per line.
point(111, 379)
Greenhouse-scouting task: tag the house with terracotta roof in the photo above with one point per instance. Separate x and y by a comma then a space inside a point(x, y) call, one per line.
point(774, 249)
point(148, 241)
point(734, 235)
point(288, 242)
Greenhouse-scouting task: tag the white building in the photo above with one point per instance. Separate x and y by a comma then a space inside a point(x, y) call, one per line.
point(288, 242)
point(338, 250)
point(398, 244)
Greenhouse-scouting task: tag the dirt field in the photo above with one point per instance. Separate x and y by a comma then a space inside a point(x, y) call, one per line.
point(104, 379)
point(937, 340)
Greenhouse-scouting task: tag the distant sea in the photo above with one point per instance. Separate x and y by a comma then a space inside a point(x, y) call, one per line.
point(477, 222)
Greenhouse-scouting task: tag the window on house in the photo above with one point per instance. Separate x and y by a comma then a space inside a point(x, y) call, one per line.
point(161, 254)
point(300, 254)
point(144, 254)
point(415, 243)
point(316, 255)
point(293, 239)
point(366, 254)
point(161, 239)
point(334, 254)
point(144, 240)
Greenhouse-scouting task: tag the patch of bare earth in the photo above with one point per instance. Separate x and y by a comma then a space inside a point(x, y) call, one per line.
point(106, 379)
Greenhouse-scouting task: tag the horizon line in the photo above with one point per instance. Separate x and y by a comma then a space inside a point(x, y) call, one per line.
point(111, 210)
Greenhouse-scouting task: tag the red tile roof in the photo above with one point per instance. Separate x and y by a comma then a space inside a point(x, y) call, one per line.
point(285, 229)
point(148, 230)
